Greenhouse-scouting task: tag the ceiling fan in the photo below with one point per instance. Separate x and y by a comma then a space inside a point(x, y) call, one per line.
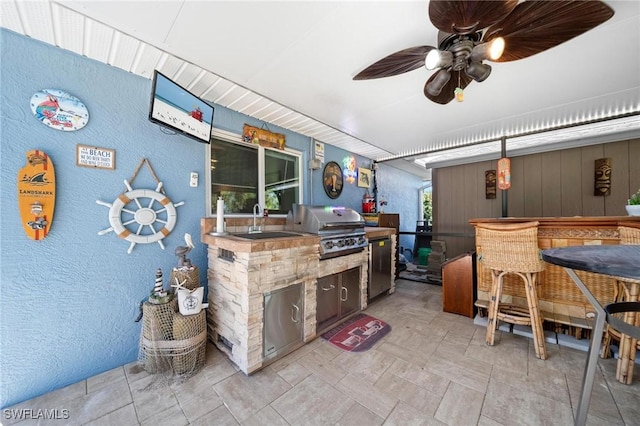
point(471, 32)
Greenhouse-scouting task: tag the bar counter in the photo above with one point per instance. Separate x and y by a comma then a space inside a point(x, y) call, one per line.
point(560, 301)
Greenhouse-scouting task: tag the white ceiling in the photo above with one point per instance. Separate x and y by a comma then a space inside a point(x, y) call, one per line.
point(291, 63)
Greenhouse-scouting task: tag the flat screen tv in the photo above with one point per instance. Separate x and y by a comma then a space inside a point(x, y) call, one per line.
point(174, 107)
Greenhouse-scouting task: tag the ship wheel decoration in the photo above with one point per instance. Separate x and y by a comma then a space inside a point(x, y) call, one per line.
point(141, 216)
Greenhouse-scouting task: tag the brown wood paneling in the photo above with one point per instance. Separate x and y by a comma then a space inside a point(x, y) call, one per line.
point(496, 205)
point(621, 165)
point(436, 188)
point(532, 165)
point(472, 194)
point(565, 181)
point(516, 192)
point(447, 199)
point(457, 215)
point(634, 167)
point(571, 182)
point(485, 206)
point(550, 181)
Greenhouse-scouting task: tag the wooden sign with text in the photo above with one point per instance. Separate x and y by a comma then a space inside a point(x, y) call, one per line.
point(262, 137)
point(95, 157)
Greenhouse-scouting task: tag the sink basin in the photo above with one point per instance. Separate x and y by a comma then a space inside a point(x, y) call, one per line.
point(265, 235)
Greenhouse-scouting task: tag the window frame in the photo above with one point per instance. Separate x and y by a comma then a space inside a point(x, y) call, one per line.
point(235, 138)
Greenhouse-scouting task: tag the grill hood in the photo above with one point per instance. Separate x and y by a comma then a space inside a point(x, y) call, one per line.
point(324, 220)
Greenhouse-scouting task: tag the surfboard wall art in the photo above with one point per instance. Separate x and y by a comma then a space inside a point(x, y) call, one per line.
point(59, 110)
point(37, 194)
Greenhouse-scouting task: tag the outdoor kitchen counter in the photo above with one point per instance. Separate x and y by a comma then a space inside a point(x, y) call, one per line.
point(238, 226)
point(239, 244)
point(241, 272)
point(376, 232)
point(234, 243)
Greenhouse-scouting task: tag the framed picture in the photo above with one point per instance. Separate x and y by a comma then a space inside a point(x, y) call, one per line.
point(332, 179)
point(364, 177)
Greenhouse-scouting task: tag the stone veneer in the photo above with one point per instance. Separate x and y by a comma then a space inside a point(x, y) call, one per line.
point(236, 287)
point(236, 296)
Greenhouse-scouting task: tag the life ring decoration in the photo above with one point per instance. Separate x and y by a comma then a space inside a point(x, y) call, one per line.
point(134, 220)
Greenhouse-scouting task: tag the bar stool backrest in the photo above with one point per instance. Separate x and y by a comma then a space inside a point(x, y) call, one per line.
point(511, 247)
point(629, 234)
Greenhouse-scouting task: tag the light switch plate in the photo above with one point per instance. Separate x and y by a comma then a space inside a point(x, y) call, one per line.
point(193, 181)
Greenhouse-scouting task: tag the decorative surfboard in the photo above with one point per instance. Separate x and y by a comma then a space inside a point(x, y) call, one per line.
point(37, 194)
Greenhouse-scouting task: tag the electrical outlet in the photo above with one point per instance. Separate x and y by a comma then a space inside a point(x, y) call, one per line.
point(193, 181)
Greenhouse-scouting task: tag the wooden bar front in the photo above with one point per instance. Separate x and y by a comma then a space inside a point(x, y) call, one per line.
point(560, 300)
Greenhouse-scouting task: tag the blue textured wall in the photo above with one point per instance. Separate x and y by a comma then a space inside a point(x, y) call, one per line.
point(68, 302)
point(403, 195)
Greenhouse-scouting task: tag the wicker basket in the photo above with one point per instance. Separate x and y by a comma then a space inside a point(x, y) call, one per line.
point(188, 277)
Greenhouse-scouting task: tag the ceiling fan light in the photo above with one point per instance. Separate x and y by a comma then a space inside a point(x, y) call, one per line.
point(496, 49)
point(440, 80)
point(438, 59)
point(478, 71)
point(491, 50)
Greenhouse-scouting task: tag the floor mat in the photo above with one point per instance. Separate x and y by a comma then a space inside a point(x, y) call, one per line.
point(357, 334)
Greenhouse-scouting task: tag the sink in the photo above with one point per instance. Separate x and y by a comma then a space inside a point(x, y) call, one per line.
point(265, 235)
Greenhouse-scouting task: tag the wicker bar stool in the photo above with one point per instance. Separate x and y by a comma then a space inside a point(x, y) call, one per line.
point(627, 291)
point(513, 249)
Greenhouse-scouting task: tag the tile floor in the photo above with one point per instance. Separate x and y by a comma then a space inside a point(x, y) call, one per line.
point(432, 369)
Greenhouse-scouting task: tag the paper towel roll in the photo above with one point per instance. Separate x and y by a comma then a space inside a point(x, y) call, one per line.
point(220, 215)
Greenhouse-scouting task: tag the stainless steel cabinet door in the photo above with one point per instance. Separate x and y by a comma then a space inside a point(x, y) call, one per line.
point(283, 319)
point(327, 300)
point(379, 267)
point(350, 292)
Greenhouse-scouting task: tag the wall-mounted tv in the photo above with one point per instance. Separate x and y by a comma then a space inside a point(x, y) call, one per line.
point(176, 108)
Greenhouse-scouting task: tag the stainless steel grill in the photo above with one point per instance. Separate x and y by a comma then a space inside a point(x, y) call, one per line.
point(341, 229)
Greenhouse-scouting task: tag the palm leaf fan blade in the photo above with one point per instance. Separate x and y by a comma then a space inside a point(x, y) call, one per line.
point(464, 17)
point(536, 26)
point(397, 63)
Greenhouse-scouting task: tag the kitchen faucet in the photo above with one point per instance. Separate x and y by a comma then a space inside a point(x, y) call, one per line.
point(256, 211)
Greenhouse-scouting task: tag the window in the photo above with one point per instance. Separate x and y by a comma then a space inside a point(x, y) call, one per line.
point(234, 176)
point(246, 174)
point(281, 181)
